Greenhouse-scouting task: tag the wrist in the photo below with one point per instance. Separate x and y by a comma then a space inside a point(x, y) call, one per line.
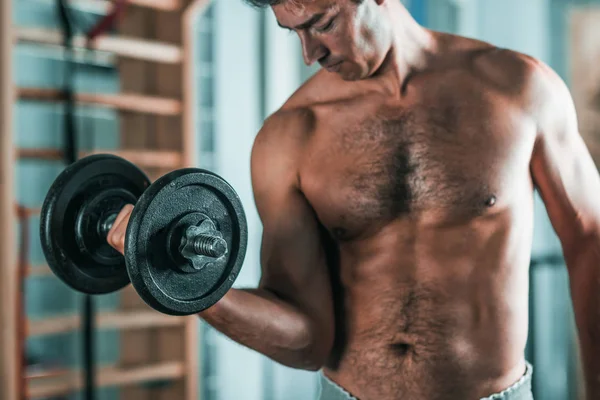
point(216, 309)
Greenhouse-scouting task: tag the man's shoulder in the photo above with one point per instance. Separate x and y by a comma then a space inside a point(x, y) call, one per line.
point(296, 118)
point(279, 146)
point(516, 74)
point(532, 85)
point(290, 121)
point(285, 131)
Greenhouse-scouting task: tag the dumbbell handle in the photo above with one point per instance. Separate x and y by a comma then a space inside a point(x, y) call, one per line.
point(203, 245)
point(107, 224)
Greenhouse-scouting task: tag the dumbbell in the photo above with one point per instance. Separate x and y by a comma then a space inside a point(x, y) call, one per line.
point(185, 242)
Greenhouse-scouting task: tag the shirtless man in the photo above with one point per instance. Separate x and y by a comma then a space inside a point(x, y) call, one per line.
point(396, 191)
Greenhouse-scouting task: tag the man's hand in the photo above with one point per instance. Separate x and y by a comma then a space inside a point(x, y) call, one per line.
point(116, 235)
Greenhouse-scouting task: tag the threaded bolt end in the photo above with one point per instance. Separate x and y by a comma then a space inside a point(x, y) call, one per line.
point(210, 246)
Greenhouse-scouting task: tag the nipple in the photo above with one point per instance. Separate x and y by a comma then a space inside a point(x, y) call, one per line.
point(490, 201)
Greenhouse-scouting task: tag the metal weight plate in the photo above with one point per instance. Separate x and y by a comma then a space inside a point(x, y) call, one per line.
point(158, 272)
point(84, 196)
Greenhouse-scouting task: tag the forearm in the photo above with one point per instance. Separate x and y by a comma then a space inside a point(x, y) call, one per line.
point(583, 263)
point(258, 319)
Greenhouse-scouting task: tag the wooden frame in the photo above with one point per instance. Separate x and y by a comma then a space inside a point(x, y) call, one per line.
point(103, 6)
point(38, 270)
point(105, 320)
point(119, 45)
point(164, 5)
point(124, 102)
point(61, 384)
point(143, 158)
point(168, 117)
point(137, 76)
point(10, 363)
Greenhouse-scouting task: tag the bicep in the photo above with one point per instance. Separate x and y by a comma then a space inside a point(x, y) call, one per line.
point(292, 256)
point(293, 259)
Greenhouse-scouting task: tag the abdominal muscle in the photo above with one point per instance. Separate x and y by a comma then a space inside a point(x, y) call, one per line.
point(438, 313)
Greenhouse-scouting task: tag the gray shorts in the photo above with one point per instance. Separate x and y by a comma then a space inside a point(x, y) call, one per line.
point(521, 390)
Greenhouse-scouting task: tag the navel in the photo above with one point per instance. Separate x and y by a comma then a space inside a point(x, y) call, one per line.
point(402, 349)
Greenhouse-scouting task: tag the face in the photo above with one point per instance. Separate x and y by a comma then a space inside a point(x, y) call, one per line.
point(343, 36)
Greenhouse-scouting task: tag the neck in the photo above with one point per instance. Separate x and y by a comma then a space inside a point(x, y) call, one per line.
point(410, 46)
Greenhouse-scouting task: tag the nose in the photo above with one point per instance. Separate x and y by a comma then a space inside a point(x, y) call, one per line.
point(312, 49)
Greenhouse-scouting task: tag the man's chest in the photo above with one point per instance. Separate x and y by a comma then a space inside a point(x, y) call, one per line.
point(457, 159)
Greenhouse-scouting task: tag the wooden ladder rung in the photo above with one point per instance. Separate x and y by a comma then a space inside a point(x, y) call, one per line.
point(119, 45)
point(142, 158)
point(124, 102)
point(107, 376)
point(38, 270)
point(123, 320)
point(104, 6)
point(165, 5)
point(27, 212)
point(46, 373)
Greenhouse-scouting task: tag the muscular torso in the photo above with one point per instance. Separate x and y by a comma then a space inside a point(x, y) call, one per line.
point(427, 196)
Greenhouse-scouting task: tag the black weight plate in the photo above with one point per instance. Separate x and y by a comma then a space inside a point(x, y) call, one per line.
point(82, 195)
point(153, 273)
